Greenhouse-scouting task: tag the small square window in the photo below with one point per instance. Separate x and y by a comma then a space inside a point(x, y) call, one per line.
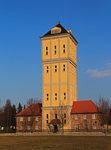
point(94, 126)
point(21, 127)
point(36, 119)
point(28, 127)
point(93, 116)
point(21, 118)
point(85, 117)
point(29, 119)
point(76, 116)
point(76, 127)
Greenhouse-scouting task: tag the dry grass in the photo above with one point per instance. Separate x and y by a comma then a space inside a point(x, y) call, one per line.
point(55, 143)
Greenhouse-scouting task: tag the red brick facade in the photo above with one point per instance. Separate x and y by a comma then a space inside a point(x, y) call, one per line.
point(29, 119)
point(85, 115)
point(85, 121)
point(28, 123)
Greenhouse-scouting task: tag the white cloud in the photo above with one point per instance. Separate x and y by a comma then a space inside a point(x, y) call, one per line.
point(95, 73)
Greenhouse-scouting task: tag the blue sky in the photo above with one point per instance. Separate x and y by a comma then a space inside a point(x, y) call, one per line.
point(22, 22)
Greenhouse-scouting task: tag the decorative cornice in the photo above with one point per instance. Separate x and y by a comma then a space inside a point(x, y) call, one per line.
point(56, 107)
point(58, 60)
point(60, 36)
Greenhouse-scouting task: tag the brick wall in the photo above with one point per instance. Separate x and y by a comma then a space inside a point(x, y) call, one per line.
point(90, 122)
point(28, 123)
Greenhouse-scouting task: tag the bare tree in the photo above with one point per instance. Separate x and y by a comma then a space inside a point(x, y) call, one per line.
point(33, 101)
point(32, 109)
point(104, 105)
point(60, 114)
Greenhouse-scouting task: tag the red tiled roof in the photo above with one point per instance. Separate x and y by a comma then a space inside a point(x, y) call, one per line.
point(55, 121)
point(33, 109)
point(85, 107)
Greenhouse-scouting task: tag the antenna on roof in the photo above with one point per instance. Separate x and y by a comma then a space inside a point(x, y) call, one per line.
point(59, 21)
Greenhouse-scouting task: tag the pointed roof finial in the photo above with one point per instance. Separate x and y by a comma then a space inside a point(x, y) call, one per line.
point(59, 21)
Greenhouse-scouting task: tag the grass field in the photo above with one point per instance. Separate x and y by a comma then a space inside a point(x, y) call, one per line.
point(55, 143)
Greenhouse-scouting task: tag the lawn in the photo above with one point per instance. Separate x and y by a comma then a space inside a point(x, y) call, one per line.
point(55, 143)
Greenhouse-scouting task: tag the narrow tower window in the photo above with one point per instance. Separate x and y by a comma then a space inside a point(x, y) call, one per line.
point(64, 118)
point(63, 67)
point(47, 96)
point(55, 68)
point(46, 50)
point(55, 50)
point(64, 95)
point(55, 116)
point(47, 70)
point(47, 118)
point(64, 115)
point(55, 96)
point(63, 48)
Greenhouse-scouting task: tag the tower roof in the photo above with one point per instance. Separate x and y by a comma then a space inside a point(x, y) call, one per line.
point(59, 29)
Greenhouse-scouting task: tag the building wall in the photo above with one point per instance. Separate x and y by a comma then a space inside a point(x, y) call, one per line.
point(90, 121)
point(24, 124)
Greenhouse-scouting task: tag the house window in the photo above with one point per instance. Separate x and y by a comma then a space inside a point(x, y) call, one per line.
point(77, 127)
point(47, 96)
point(63, 48)
point(36, 118)
point(55, 68)
point(93, 116)
point(36, 128)
point(94, 126)
point(47, 69)
point(29, 119)
point(28, 128)
point(85, 117)
point(55, 96)
point(64, 95)
point(63, 67)
point(21, 118)
point(85, 126)
point(55, 50)
point(21, 127)
point(46, 50)
point(55, 116)
point(76, 117)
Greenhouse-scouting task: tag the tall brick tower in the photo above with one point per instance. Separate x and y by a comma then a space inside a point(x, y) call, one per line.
point(59, 62)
